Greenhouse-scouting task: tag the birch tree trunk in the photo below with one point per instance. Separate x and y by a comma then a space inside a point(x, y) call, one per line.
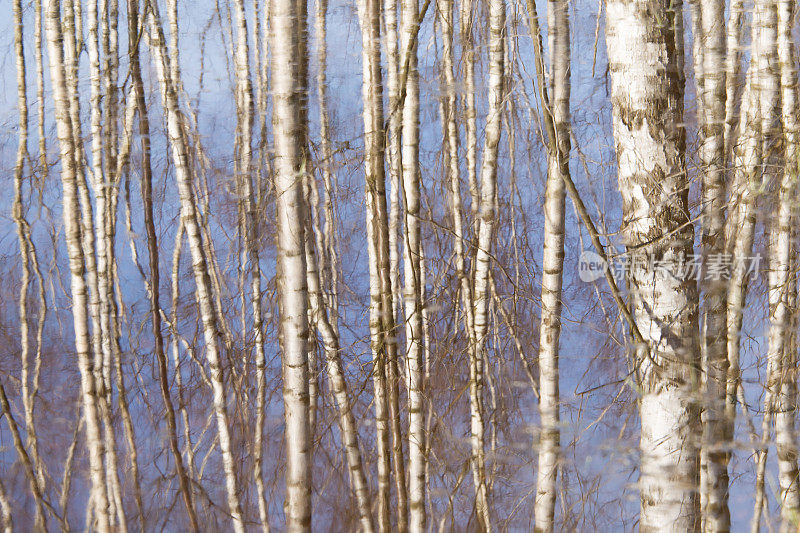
point(733, 68)
point(647, 98)
point(393, 61)
point(27, 254)
point(78, 292)
point(5, 510)
point(741, 229)
point(394, 151)
point(262, 37)
point(101, 126)
point(22, 454)
point(330, 273)
point(783, 288)
point(152, 247)
point(381, 317)
point(466, 21)
point(712, 87)
point(411, 271)
point(73, 42)
point(556, 111)
point(203, 291)
point(766, 79)
point(486, 223)
point(347, 421)
point(288, 65)
point(244, 94)
point(39, 58)
point(754, 163)
point(175, 298)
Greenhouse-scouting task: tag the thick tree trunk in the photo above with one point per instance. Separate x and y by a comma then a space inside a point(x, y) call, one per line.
point(647, 98)
point(288, 66)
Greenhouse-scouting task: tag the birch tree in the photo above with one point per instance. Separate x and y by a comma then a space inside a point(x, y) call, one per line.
point(782, 349)
point(647, 100)
point(754, 156)
point(555, 104)
point(375, 199)
point(287, 66)
point(711, 87)
point(203, 290)
point(393, 154)
point(485, 234)
point(29, 376)
point(412, 290)
point(153, 254)
point(72, 224)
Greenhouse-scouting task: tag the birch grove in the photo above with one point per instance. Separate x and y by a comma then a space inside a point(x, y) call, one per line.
point(399, 265)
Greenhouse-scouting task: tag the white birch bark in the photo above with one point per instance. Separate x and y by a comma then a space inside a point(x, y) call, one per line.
point(244, 94)
point(740, 232)
point(733, 68)
point(347, 421)
point(450, 115)
point(754, 160)
point(72, 223)
point(5, 510)
point(28, 384)
point(411, 270)
point(379, 315)
point(392, 277)
point(783, 287)
point(261, 32)
point(328, 251)
point(712, 88)
point(203, 287)
point(557, 111)
point(102, 287)
point(647, 98)
point(450, 109)
point(175, 298)
point(393, 148)
point(486, 223)
point(73, 41)
point(112, 160)
point(466, 21)
point(39, 58)
point(152, 246)
point(22, 455)
point(288, 65)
